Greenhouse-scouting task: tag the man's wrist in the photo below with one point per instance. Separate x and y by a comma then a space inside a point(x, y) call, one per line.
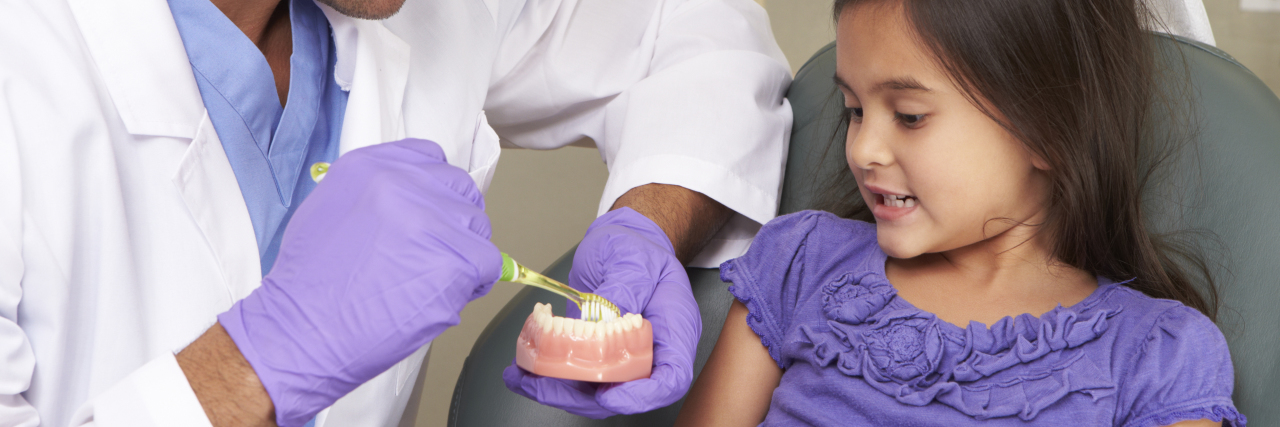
point(689, 218)
point(225, 384)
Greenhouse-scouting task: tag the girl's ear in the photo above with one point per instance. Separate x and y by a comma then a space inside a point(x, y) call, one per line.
point(1039, 162)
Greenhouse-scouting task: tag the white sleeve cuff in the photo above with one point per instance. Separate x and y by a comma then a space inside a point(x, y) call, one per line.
point(731, 242)
point(752, 205)
point(711, 179)
point(155, 395)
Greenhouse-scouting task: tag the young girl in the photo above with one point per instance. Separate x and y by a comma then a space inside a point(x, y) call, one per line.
point(1009, 277)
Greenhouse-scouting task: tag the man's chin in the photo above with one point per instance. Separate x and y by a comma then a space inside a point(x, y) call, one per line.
point(366, 9)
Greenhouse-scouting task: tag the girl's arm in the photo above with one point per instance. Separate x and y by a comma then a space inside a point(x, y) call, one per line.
point(737, 383)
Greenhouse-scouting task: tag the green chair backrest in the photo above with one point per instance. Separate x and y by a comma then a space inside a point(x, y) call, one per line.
point(1227, 182)
point(1235, 194)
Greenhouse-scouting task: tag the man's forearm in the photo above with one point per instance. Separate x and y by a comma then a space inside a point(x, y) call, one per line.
point(224, 382)
point(689, 218)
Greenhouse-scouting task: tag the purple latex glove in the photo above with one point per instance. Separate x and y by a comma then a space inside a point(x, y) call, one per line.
point(628, 259)
point(376, 262)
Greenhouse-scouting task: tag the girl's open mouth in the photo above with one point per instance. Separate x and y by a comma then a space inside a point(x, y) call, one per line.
point(896, 200)
point(889, 207)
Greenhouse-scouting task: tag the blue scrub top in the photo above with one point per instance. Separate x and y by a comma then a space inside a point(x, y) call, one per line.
point(270, 147)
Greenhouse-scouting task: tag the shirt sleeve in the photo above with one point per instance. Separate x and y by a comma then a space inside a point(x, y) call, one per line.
point(682, 92)
point(1186, 18)
point(770, 277)
point(17, 361)
point(1182, 371)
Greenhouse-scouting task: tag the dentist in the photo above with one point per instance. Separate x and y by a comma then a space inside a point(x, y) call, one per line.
point(167, 260)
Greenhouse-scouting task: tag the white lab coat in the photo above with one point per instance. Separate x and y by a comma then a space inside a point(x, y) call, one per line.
point(123, 232)
point(1186, 18)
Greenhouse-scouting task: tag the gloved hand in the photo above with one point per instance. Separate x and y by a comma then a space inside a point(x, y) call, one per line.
point(376, 262)
point(628, 259)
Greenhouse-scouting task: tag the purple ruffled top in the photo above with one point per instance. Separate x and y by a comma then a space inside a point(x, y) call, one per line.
point(853, 353)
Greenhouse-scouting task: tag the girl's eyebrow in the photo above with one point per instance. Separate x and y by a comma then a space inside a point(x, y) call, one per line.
point(893, 84)
point(900, 83)
point(840, 82)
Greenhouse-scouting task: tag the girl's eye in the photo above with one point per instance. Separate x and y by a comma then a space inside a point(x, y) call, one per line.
point(909, 120)
point(853, 114)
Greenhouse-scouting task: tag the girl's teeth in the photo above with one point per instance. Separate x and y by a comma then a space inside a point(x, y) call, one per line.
point(899, 201)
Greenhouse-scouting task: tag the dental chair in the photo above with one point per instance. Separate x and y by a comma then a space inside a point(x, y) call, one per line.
point(1230, 186)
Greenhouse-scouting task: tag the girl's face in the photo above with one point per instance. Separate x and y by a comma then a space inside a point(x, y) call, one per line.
point(938, 173)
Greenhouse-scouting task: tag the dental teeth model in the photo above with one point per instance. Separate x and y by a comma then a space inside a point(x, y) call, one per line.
point(608, 351)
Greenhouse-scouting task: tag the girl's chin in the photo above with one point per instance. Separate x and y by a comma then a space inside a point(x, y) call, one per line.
point(909, 241)
point(896, 246)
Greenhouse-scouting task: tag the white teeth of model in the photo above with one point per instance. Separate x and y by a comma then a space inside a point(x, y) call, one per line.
point(578, 326)
point(911, 202)
point(557, 325)
point(544, 322)
point(626, 324)
point(636, 321)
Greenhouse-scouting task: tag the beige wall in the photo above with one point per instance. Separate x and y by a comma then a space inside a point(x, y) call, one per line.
point(801, 27)
point(1253, 38)
point(541, 202)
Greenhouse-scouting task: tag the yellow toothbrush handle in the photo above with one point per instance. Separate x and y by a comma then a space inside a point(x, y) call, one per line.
point(516, 273)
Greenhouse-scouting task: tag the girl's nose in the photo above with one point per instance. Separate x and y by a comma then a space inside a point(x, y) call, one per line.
point(866, 146)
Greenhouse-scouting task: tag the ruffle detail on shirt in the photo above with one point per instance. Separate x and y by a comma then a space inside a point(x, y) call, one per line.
point(1226, 414)
point(755, 313)
point(1018, 367)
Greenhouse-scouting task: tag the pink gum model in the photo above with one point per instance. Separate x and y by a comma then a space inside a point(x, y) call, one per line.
point(612, 351)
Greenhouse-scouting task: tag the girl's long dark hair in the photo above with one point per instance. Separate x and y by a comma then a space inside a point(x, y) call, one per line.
point(1074, 80)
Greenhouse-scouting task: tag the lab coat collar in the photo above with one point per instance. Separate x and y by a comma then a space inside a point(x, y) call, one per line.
point(373, 65)
point(144, 66)
point(142, 62)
